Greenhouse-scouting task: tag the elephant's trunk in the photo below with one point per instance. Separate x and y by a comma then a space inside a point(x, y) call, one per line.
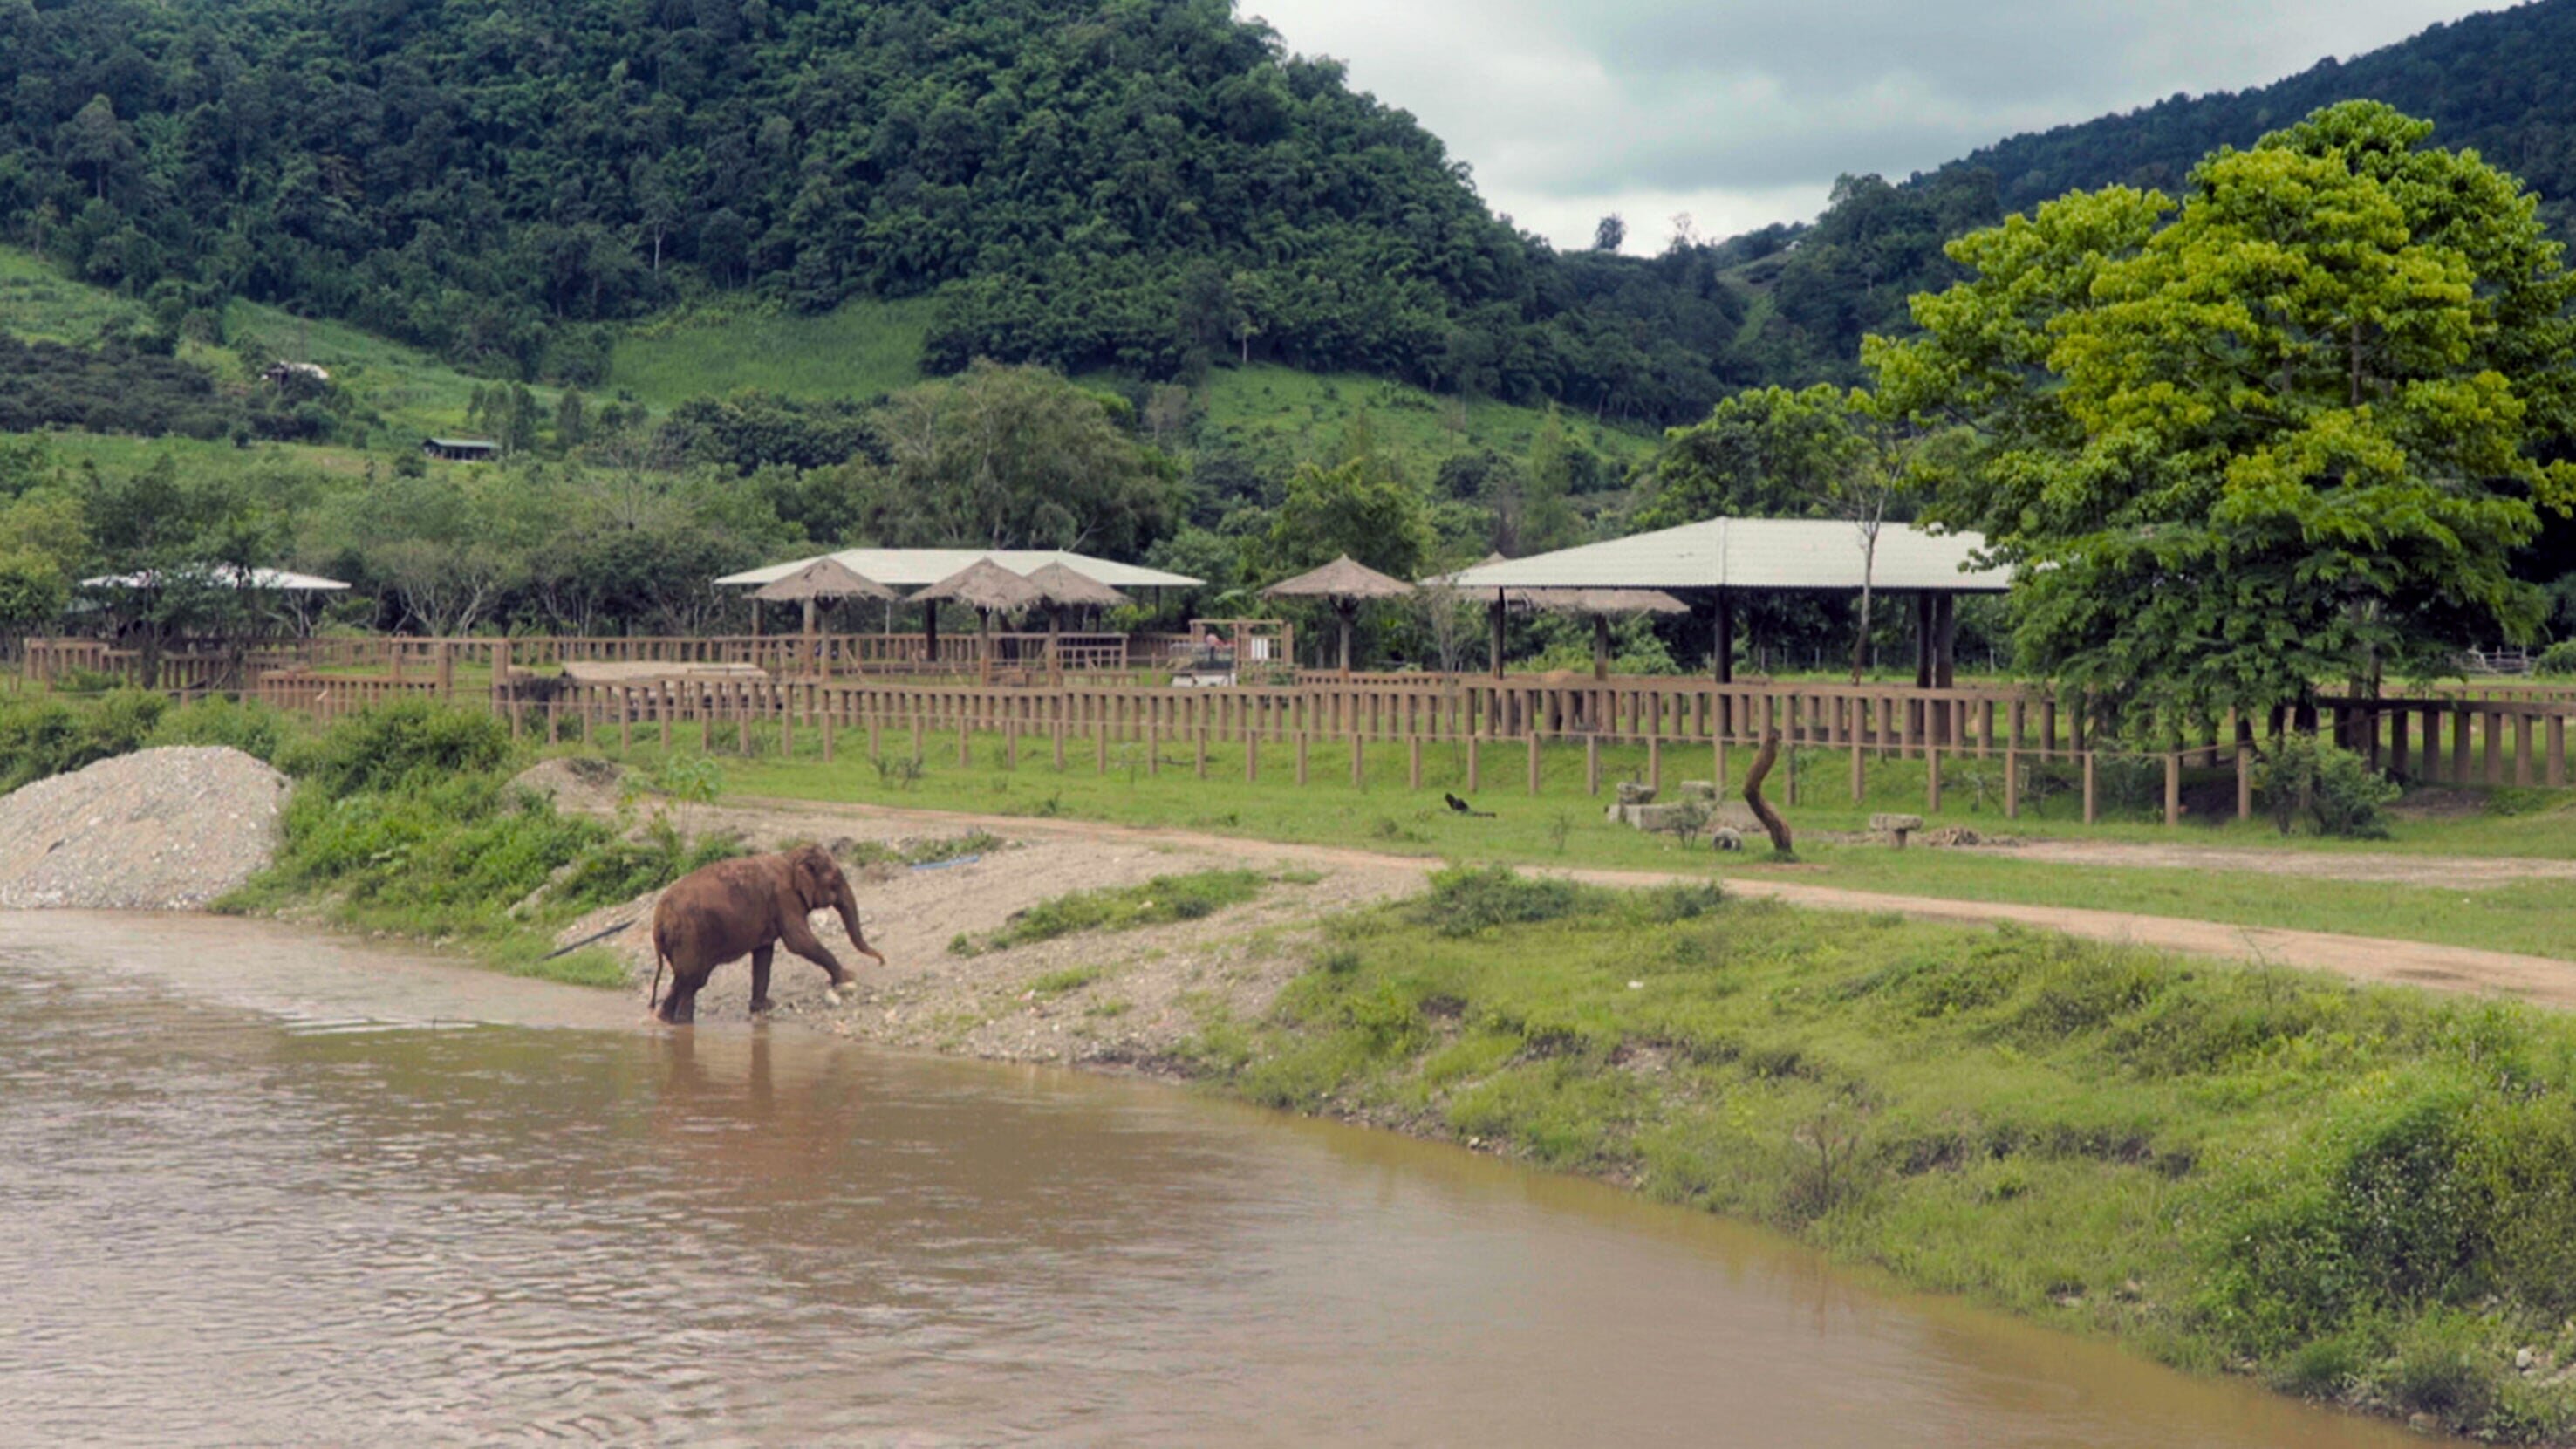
point(846, 902)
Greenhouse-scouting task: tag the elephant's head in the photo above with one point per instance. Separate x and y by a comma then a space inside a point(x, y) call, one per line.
point(817, 880)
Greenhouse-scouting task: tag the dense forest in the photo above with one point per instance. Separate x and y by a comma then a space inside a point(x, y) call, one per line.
point(1148, 187)
point(2498, 83)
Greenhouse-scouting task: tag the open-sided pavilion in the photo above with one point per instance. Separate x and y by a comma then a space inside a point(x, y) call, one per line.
point(1731, 557)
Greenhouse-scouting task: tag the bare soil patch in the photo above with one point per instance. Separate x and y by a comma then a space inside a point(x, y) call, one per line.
point(1105, 997)
point(2451, 872)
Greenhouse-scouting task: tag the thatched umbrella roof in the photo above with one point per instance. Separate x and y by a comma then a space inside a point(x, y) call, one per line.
point(1347, 584)
point(824, 578)
point(1341, 579)
point(984, 585)
point(1062, 585)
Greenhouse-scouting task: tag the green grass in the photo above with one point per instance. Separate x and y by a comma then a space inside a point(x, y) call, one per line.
point(859, 350)
point(1563, 826)
point(39, 303)
point(2363, 1194)
point(1282, 416)
point(411, 392)
point(1157, 902)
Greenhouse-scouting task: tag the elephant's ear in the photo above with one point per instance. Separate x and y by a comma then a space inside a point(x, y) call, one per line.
point(814, 872)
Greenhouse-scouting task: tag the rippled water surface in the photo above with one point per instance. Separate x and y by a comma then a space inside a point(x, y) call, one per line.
point(263, 1189)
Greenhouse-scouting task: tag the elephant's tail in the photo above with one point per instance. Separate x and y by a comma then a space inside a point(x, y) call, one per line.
point(653, 1002)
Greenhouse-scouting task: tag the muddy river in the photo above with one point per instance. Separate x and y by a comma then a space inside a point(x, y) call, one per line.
point(261, 1188)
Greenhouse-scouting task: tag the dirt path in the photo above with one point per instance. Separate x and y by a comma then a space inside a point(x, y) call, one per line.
point(2450, 872)
point(2536, 979)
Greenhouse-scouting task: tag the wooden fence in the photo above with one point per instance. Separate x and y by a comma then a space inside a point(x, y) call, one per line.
point(1683, 725)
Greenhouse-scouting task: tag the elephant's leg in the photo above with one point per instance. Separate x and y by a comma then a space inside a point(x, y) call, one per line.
point(760, 978)
point(683, 1001)
point(799, 938)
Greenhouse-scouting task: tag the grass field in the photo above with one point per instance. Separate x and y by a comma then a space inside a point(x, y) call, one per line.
point(1282, 416)
point(2362, 1195)
point(38, 303)
point(1565, 826)
point(859, 350)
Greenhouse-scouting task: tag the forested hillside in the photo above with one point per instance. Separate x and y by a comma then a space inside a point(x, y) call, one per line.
point(1143, 186)
point(2503, 83)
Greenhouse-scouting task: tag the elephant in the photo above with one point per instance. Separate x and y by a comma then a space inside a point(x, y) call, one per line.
point(748, 905)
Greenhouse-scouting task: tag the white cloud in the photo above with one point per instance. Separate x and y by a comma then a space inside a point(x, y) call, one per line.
point(1742, 113)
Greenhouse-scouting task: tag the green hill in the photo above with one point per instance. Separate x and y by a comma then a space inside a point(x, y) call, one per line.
point(1147, 188)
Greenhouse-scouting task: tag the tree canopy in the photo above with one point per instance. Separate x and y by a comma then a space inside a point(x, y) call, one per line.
point(2288, 430)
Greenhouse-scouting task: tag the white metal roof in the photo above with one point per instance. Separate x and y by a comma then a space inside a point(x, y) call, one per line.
point(1751, 553)
point(914, 568)
point(274, 580)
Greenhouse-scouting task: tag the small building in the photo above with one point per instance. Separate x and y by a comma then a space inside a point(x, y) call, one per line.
point(460, 450)
point(283, 372)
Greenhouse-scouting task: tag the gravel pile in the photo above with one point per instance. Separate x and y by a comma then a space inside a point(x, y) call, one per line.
point(163, 830)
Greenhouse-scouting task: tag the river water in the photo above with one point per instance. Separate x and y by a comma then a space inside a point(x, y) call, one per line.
point(264, 1188)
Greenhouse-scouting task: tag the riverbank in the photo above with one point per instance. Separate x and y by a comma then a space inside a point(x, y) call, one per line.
point(2356, 1194)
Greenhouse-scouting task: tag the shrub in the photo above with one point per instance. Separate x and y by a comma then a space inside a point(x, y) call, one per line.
point(2333, 789)
point(1465, 900)
point(253, 729)
point(42, 737)
point(2557, 659)
point(400, 744)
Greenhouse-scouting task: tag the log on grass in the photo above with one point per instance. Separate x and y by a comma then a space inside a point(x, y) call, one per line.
point(1762, 811)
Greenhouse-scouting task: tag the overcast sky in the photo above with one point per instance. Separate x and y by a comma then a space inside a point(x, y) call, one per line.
point(1742, 112)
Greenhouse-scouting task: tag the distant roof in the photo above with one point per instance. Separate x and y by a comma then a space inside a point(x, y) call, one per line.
point(1598, 601)
point(913, 568)
point(274, 580)
point(1343, 578)
point(1751, 553)
point(465, 443)
point(985, 584)
point(824, 578)
point(1062, 585)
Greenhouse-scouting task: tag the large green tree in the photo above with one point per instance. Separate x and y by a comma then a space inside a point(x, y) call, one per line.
point(2288, 431)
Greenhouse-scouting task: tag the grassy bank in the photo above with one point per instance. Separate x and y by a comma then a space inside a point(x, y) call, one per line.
point(2361, 1195)
point(1563, 826)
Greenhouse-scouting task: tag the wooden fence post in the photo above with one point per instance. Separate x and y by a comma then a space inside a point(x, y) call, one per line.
point(1251, 756)
point(1359, 761)
point(2245, 775)
point(663, 699)
point(1533, 761)
point(2557, 751)
point(1413, 762)
point(1859, 776)
point(827, 733)
point(1301, 757)
point(1592, 764)
point(2012, 783)
point(2522, 747)
point(1475, 762)
point(2173, 789)
point(2090, 813)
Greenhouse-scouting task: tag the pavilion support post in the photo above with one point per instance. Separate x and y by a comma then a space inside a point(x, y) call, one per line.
point(930, 635)
point(1601, 646)
point(1923, 639)
point(1722, 650)
point(1945, 635)
point(1494, 623)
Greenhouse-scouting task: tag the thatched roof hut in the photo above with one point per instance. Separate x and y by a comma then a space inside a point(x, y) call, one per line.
point(824, 578)
point(986, 587)
point(1065, 588)
point(1347, 584)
